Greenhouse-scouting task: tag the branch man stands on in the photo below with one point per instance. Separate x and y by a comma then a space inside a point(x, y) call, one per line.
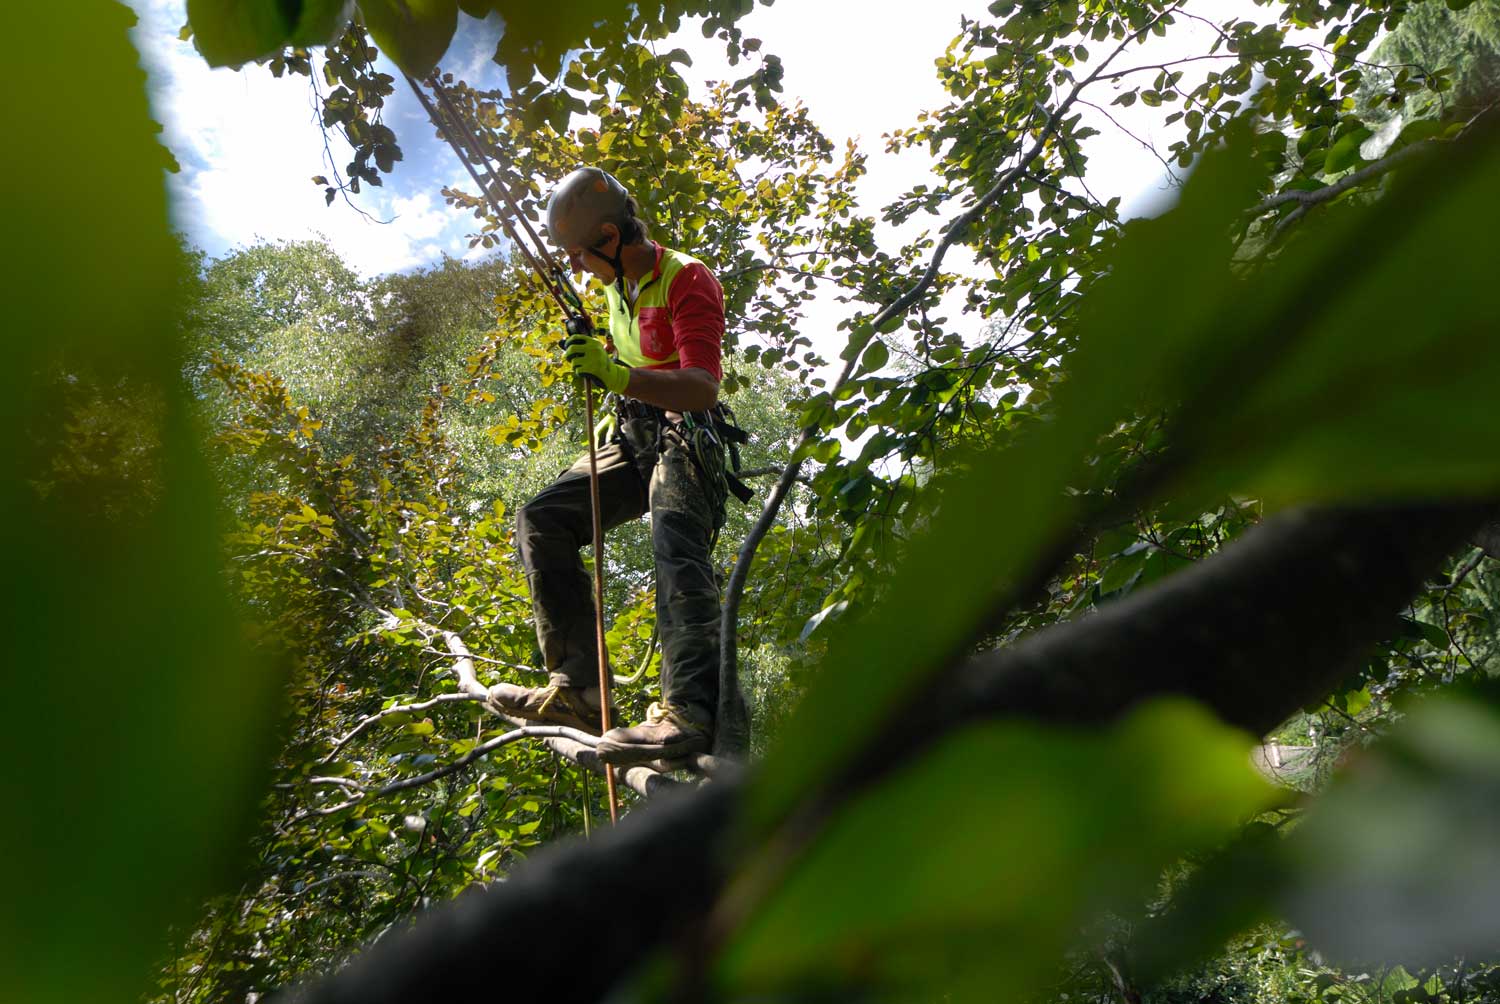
point(666, 322)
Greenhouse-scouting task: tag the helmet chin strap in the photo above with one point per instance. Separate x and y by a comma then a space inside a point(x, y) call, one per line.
point(616, 261)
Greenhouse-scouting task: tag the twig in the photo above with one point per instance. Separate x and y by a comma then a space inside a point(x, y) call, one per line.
point(396, 710)
point(1145, 144)
point(341, 876)
point(515, 735)
point(342, 782)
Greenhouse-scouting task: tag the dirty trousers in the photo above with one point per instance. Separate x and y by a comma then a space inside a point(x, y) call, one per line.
point(553, 526)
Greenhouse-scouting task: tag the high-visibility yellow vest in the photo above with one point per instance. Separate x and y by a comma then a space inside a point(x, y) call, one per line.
point(647, 335)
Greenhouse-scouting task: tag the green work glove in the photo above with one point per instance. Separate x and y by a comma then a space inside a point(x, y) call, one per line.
point(589, 357)
point(604, 429)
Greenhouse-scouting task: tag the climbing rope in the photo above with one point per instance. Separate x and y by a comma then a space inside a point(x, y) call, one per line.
point(554, 280)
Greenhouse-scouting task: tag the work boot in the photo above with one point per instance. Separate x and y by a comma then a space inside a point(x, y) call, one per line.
point(575, 707)
point(665, 735)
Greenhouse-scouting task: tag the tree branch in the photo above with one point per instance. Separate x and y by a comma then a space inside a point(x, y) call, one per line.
point(398, 709)
point(1307, 200)
point(551, 732)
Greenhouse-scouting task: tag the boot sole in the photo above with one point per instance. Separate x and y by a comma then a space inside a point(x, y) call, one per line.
point(629, 754)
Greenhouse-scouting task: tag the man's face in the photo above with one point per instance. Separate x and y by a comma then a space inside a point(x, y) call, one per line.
point(581, 259)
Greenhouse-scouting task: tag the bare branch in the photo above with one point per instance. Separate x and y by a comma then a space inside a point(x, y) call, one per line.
point(483, 749)
point(761, 472)
point(463, 666)
point(398, 709)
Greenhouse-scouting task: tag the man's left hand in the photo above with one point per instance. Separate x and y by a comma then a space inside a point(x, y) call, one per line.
point(589, 357)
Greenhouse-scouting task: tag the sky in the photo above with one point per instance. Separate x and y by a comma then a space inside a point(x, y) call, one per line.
point(249, 144)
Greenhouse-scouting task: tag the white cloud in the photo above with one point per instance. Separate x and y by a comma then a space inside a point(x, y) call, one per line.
point(249, 145)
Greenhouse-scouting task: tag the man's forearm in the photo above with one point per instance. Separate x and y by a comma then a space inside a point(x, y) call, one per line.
point(680, 390)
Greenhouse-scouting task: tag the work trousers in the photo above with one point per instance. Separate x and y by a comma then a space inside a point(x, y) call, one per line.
point(646, 472)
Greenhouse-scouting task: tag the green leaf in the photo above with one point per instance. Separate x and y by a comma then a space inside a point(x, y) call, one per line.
point(1415, 132)
point(1373, 392)
point(319, 22)
point(997, 836)
point(232, 32)
point(826, 451)
point(875, 357)
point(1344, 154)
point(1412, 836)
point(413, 33)
point(1123, 571)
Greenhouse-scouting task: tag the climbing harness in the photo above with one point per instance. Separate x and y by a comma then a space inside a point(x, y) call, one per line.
point(711, 438)
point(555, 282)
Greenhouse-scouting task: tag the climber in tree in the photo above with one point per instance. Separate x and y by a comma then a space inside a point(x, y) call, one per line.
point(662, 363)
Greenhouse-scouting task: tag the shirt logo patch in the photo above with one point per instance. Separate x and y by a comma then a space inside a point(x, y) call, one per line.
point(656, 333)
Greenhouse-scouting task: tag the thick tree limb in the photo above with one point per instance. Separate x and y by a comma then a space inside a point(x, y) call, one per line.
point(1272, 624)
point(566, 924)
point(1256, 632)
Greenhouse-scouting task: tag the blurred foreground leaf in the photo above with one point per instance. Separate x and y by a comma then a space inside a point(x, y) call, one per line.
point(1399, 861)
point(232, 32)
point(138, 719)
point(982, 860)
point(413, 33)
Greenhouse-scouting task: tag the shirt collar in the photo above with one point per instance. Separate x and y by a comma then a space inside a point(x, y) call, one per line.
point(661, 253)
